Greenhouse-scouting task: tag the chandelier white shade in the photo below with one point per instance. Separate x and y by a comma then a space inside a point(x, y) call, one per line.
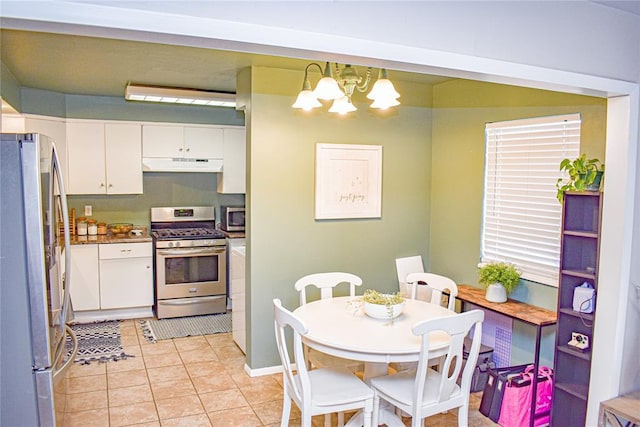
point(173, 95)
point(340, 88)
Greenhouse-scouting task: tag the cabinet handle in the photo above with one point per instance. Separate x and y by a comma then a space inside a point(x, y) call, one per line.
point(188, 149)
point(179, 149)
point(148, 267)
point(125, 250)
point(110, 185)
point(102, 185)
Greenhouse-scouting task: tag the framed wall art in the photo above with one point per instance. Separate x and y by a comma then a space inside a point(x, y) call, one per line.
point(348, 181)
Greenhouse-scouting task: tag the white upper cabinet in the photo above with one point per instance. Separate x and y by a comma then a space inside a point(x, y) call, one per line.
point(123, 152)
point(232, 180)
point(189, 142)
point(203, 143)
point(104, 158)
point(55, 129)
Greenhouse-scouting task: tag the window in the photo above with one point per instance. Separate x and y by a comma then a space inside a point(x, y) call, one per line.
point(521, 215)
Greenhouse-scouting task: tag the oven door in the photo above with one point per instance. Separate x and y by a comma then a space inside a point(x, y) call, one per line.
point(190, 272)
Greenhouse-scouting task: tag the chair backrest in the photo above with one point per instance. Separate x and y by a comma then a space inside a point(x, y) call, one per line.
point(457, 327)
point(326, 282)
point(405, 266)
point(438, 284)
point(298, 386)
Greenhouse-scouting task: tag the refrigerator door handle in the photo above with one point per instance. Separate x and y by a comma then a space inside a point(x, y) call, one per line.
point(74, 352)
point(67, 311)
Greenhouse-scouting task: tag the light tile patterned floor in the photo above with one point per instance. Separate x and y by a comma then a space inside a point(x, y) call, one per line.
point(185, 382)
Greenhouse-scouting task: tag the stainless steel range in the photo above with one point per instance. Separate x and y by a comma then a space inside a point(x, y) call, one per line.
point(190, 261)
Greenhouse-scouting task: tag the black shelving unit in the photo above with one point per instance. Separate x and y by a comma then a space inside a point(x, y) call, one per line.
point(579, 255)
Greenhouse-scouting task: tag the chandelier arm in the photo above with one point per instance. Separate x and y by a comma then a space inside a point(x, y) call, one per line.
point(306, 70)
point(362, 86)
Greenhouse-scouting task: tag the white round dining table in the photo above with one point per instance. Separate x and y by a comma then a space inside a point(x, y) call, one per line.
point(339, 327)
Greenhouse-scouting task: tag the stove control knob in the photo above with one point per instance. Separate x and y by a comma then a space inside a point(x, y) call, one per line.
point(170, 244)
point(177, 244)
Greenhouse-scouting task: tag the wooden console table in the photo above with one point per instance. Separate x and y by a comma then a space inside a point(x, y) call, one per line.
point(626, 407)
point(532, 315)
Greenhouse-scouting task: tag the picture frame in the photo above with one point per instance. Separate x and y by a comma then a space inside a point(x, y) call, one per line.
point(348, 181)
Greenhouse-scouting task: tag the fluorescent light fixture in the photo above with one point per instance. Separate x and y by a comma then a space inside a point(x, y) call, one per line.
point(175, 95)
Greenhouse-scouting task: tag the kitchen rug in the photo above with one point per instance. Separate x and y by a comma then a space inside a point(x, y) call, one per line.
point(178, 327)
point(99, 341)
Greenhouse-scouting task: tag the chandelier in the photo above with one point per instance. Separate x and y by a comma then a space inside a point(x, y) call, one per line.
point(340, 88)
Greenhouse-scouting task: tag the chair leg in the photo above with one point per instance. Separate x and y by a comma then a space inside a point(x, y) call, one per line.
point(327, 420)
point(286, 410)
point(376, 409)
point(366, 422)
point(340, 419)
point(463, 415)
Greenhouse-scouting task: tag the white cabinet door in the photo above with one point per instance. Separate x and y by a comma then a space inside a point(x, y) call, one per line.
point(85, 279)
point(126, 275)
point(232, 180)
point(162, 141)
point(203, 143)
point(123, 153)
point(86, 168)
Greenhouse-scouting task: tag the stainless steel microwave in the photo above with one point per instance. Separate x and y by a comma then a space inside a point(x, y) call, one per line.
point(232, 218)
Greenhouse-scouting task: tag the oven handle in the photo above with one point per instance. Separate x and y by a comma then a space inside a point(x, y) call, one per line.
point(190, 300)
point(196, 251)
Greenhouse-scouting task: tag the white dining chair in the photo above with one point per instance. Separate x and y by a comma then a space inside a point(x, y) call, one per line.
point(437, 284)
point(327, 283)
point(405, 266)
point(426, 392)
point(319, 391)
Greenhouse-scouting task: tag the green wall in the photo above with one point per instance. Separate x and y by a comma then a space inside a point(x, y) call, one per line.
point(285, 241)
point(160, 189)
point(461, 108)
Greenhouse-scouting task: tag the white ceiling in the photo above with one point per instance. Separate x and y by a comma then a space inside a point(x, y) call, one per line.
point(98, 66)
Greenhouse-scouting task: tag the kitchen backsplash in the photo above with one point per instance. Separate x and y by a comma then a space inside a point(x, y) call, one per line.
point(160, 189)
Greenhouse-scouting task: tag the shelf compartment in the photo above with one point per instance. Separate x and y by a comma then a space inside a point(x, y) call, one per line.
point(569, 406)
point(579, 254)
point(579, 391)
point(568, 350)
point(582, 213)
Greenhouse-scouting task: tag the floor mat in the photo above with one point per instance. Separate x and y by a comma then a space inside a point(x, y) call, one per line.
point(99, 341)
point(155, 330)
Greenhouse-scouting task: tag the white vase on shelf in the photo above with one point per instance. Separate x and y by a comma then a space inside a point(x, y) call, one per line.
point(496, 293)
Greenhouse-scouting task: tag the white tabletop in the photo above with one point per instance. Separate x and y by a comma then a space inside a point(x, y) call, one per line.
point(339, 326)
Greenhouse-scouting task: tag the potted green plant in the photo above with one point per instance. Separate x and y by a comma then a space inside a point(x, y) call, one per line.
point(583, 174)
point(381, 306)
point(499, 279)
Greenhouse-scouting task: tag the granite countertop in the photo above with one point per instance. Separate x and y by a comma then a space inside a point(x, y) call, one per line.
point(108, 238)
point(234, 234)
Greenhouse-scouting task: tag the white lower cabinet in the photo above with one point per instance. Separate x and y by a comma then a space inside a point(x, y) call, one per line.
point(85, 278)
point(126, 275)
point(111, 276)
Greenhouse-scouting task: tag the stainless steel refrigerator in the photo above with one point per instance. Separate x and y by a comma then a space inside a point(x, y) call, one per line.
point(35, 302)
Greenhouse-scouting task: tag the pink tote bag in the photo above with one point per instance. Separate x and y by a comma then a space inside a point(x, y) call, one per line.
point(516, 403)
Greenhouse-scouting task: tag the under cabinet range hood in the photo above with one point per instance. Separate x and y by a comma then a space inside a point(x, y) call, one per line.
point(180, 164)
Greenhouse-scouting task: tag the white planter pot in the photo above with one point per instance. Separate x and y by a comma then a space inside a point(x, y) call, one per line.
point(496, 293)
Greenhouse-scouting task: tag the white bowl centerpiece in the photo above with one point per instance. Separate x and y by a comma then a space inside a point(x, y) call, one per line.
point(382, 306)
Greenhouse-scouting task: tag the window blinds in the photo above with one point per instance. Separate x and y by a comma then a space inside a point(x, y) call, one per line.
point(521, 218)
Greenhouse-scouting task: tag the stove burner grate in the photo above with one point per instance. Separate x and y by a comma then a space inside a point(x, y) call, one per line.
point(187, 233)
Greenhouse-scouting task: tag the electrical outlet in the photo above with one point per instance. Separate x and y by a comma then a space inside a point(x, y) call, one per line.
point(88, 210)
